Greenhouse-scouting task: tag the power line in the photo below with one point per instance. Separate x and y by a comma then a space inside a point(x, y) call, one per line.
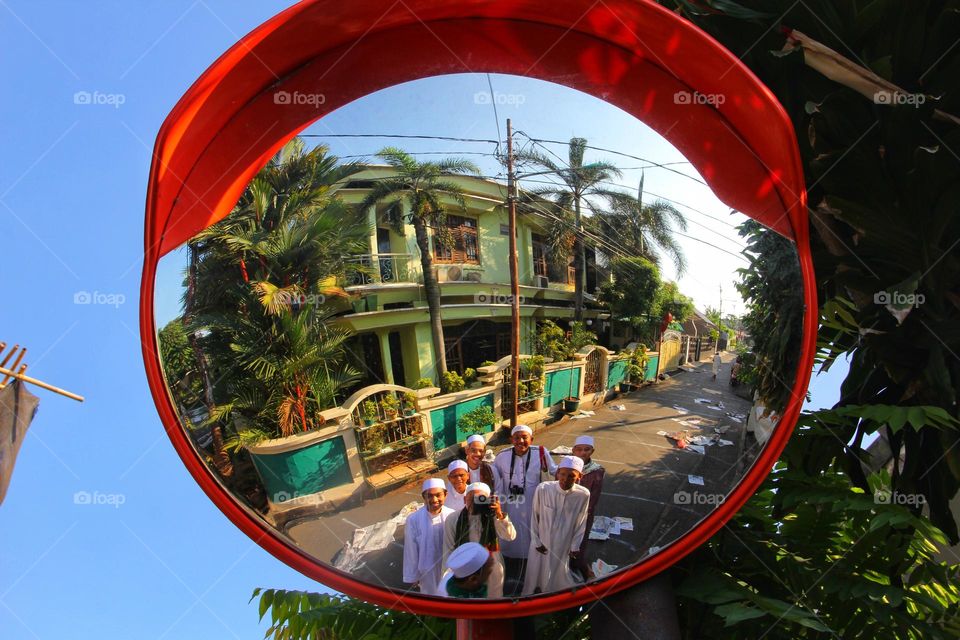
point(395, 135)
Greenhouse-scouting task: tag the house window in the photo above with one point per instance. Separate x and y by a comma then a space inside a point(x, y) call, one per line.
point(464, 247)
point(539, 255)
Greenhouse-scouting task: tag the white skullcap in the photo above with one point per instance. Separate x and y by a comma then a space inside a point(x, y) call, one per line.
point(433, 483)
point(467, 559)
point(457, 464)
point(572, 462)
point(587, 440)
point(521, 427)
point(476, 438)
point(478, 486)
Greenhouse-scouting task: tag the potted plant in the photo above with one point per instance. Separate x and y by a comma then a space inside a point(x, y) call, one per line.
point(479, 420)
point(522, 391)
point(373, 439)
point(571, 404)
point(423, 383)
point(368, 410)
point(409, 403)
point(390, 405)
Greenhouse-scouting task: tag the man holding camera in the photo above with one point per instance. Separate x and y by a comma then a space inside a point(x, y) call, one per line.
point(483, 521)
point(423, 539)
point(519, 471)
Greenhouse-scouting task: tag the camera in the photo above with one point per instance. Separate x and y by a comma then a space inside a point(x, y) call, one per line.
point(482, 504)
point(516, 491)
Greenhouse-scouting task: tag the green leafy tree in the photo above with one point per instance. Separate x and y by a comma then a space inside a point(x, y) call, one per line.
point(424, 185)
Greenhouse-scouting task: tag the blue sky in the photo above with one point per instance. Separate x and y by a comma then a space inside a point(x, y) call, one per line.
point(160, 561)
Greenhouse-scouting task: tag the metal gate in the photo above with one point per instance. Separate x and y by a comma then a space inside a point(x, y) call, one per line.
point(593, 378)
point(670, 351)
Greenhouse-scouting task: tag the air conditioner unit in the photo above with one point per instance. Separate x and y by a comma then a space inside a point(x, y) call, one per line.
point(541, 282)
point(449, 274)
point(473, 276)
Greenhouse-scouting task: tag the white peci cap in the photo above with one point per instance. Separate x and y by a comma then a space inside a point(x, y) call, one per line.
point(467, 559)
point(476, 438)
point(457, 464)
point(521, 427)
point(572, 462)
point(478, 486)
point(587, 440)
point(433, 483)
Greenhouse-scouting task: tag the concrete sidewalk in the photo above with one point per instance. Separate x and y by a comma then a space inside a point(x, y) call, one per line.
point(647, 475)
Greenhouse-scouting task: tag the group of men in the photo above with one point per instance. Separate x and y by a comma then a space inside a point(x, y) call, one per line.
point(494, 519)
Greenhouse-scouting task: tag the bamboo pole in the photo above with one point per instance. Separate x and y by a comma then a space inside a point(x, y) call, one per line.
point(43, 385)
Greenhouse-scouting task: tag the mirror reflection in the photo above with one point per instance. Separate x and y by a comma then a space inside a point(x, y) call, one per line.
point(339, 348)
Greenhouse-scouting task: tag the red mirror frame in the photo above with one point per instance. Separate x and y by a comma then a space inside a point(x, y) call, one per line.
point(631, 53)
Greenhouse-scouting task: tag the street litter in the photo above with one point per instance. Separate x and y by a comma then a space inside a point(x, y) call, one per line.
point(601, 568)
point(584, 414)
point(697, 448)
point(663, 433)
point(619, 407)
point(680, 437)
point(701, 441)
point(724, 443)
point(375, 537)
point(703, 401)
point(739, 417)
point(653, 550)
point(721, 429)
point(561, 450)
point(604, 527)
point(713, 391)
point(692, 479)
point(626, 524)
point(680, 409)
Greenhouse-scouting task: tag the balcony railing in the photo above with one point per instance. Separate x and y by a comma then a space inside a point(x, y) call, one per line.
point(383, 268)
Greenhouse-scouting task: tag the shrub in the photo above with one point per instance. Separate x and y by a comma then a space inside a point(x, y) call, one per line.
point(452, 382)
point(423, 383)
point(479, 420)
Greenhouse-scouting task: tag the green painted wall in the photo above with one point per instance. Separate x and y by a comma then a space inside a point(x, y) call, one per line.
point(304, 471)
point(444, 421)
point(559, 385)
point(617, 373)
point(652, 367)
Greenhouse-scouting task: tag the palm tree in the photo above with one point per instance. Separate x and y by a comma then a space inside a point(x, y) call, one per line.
point(580, 182)
point(644, 230)
point(422, 185)
point(254, 305)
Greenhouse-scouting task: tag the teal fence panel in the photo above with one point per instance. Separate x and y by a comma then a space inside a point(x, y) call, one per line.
point(652, 367)
point(559, 384)
point(617, 373)
point(444, 421)
point(318, 467)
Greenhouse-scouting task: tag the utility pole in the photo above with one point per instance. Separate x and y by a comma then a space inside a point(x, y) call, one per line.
point(514, 281)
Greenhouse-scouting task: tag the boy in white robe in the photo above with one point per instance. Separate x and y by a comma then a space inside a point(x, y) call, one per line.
point(483, 521)
point(423, 539)
point(458, 477)
point(556, 530)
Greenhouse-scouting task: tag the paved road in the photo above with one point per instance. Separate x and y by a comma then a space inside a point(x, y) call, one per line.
point(646, 480)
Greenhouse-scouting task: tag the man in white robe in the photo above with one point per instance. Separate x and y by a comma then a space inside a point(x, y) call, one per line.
point(480, 471)
point(556, 530)
point(485, 522)
point(423, 539)
point(518, 472)
point(458, 477)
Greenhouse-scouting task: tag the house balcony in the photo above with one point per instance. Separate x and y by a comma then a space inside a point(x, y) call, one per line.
point(384, 269)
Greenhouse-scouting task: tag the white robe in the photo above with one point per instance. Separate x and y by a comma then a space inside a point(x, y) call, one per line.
point(423, 549)
point(559, 524)
point(505, 532)
point(455, 501)
point(520, 508)
point(475, 476)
